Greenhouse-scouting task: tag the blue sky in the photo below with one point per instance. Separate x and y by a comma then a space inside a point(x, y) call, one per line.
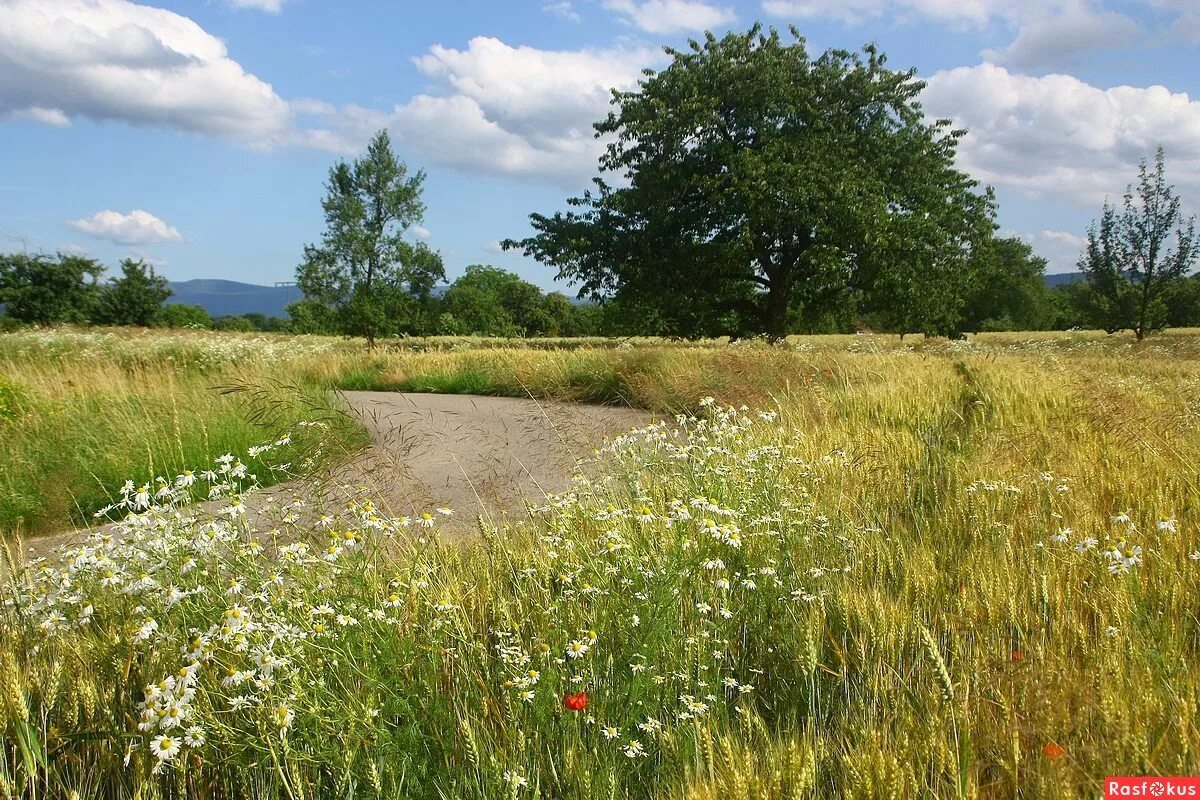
point(198, 134)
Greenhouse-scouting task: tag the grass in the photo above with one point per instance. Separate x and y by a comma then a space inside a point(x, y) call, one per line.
point(82, 412)
point(924, 569)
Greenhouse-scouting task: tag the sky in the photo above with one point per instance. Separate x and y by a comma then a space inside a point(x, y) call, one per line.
point(198, 135)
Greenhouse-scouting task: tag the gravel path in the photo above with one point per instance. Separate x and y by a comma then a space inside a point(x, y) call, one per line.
point(476, 455)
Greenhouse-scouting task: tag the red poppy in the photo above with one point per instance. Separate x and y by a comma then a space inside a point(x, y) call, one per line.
point(1053, 751)
point(1017, 655)
point(575, 702)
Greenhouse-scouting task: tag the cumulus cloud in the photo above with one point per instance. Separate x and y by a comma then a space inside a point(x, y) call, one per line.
point(495, 109)
point(1057, 135)
point(1058, 38)
point(672, 16)
point(46, 116)
point(1061, 249)
point(856, 11)
point(117, 60)
point(563, 9)
point(421, 232)
point(136, 227)
point(270, 6)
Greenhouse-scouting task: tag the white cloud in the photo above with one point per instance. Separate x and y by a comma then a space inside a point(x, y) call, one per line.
point(270, 6)
point(1057, 38)
point(46, 116)
point(116, 60)
point(493, 247)
point(855, 11)
point(563, 9)
point(421, 232)
point(1186, 18)
point(672, 16)
point(495, 109)
point(1061, 249)
point(1057, 135)
point(136, 227)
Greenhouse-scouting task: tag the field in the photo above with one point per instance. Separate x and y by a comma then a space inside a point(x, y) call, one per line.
point(840, 567)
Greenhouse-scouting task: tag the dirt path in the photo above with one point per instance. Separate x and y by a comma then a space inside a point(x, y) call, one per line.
point(474, 455)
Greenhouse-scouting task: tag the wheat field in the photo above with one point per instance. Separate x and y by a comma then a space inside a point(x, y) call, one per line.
point(839, 567)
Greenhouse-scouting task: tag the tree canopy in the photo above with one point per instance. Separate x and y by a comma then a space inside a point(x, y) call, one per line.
point(364, 269)
point(135, 298)
point(45, 290)
point(746, 180)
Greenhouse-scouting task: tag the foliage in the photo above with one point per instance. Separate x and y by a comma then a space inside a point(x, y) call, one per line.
point(488, 301)
point(135, 298)
point(182, 315)
point(1010, 291)
point(752, 180)
point(364, 269)
point(46, 290)
point(1130, 262)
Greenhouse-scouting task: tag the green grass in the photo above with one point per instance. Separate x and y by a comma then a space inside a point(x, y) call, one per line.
point(81, 413)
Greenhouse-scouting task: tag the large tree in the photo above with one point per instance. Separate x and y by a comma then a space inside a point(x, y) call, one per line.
point(1130, 262)
point(135, 298)
point(45, 290)
point(747, 180)
point(364, 269)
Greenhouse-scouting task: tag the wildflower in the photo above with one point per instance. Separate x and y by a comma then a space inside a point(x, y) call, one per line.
point(194, 736)
point(165, 747)
point(634, 749)
point(1053, 751)
point(283, 717)
point(445, 512)
point(426, 520)
point(610, 733)
point(576, 702)
point(577, 649)
point(1167, 525)
point(147, 631)
point(1017, 655)
point(516, 780)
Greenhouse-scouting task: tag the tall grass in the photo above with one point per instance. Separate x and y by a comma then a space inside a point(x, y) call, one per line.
point(82, 412)
point(929, 570)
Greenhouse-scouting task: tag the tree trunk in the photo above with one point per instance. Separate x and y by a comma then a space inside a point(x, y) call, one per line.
point(778, 295)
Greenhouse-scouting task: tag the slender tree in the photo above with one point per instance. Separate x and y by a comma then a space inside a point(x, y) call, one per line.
point(1135, 259)
point(364, 269)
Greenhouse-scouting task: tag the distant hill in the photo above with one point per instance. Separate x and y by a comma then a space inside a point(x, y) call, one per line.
point(1062, 278)
point(231, 298)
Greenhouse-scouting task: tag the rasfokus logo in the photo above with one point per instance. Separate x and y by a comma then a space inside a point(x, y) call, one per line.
point(1151, 787)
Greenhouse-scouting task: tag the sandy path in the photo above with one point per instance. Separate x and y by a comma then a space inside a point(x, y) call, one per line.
point(475, 455)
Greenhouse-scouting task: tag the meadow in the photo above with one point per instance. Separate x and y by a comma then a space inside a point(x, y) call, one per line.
point(839, 567)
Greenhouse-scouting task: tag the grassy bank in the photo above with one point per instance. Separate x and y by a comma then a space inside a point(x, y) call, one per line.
point(921, 570)
point(81, 412)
